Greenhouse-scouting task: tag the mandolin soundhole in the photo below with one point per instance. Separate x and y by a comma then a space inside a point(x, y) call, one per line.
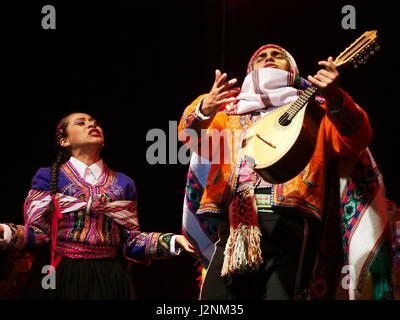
point(284, 119)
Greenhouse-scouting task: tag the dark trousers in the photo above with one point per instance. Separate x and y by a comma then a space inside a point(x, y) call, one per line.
point(288, 247)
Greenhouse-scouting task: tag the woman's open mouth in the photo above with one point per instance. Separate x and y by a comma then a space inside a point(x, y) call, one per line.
point(94, 133)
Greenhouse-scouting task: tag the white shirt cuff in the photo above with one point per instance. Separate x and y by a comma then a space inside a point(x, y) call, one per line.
point(4, 242)
point(172, 247)
point(198, 112)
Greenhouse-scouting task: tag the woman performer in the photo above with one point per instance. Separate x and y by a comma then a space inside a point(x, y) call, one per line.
point(86, 212)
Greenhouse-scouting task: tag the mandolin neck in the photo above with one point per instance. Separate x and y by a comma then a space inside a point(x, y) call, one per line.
point(301, 101)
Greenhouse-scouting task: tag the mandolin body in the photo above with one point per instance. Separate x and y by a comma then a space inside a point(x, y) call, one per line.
point(281, 152)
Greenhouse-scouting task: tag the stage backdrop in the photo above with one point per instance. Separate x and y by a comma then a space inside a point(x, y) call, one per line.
point(135, 66)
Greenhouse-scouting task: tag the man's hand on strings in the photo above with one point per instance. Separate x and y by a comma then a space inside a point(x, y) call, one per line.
point(327, 82)
point(219, 94)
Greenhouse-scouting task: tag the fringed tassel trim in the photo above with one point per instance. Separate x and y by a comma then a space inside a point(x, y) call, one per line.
point(242, 251)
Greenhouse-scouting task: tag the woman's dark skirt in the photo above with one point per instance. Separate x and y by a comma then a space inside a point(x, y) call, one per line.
point(80, 279)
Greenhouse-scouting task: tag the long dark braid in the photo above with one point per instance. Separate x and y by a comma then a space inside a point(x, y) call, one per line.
point(62, 156)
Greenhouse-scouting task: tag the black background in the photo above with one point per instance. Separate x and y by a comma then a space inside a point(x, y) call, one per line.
point(135, 65)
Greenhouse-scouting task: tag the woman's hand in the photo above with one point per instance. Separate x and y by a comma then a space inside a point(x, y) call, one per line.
point(182, 242)
point(219, 94)
point(1, 231)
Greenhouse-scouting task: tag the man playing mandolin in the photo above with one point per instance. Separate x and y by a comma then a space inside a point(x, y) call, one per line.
point(275, 241)
point(271, 57)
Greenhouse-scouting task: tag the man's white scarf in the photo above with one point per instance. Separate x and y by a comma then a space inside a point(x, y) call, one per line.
point(268, 88)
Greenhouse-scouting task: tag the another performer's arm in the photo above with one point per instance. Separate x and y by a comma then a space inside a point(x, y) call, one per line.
point(36, 232)
point(4, 235)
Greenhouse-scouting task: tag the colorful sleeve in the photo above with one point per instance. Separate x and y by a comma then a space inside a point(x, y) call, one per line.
point(36, 230)
point(141, 246)
point(348, 130)
point(195, 129)
point(191, 119)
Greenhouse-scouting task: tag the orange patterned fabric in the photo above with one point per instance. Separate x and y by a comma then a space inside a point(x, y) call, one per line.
point(343, 132)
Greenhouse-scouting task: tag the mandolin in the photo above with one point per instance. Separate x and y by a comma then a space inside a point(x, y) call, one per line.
point(282, 142)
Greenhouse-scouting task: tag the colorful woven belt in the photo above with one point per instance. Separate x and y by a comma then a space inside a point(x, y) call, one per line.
point(84, 251)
